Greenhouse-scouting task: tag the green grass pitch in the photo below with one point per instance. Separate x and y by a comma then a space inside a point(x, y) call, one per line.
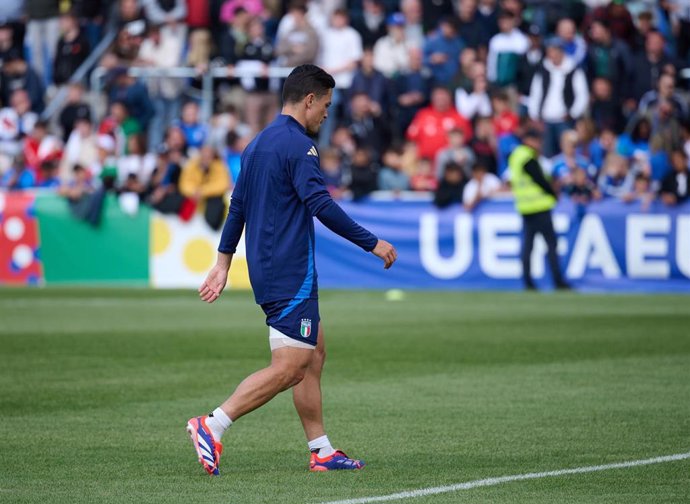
point(441, 388)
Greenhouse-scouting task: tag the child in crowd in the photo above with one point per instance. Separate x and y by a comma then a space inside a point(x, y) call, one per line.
point(616, 178)
point(568, 161)
point(424, 178)
point(392, 177)
point(456, 152)
point(364, 174)
point(505, 121)
point(580, 188)
point(483, 185)
point(49, 174)
point(450, 188)
point(484, 144)
point(19, 176)
point(195, 132)
point(641, 192)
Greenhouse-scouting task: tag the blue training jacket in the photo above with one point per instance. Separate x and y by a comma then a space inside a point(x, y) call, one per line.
point(279, 191)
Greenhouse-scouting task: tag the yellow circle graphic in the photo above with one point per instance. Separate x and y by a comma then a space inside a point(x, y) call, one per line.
point(198, 255)
point(161, 236)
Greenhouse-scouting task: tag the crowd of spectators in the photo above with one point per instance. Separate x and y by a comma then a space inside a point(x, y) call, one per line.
point(429, 96)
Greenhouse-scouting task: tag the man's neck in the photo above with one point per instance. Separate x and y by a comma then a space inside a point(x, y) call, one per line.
point(297, 114)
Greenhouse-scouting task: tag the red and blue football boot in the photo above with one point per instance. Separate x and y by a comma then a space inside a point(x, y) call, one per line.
point(336, 461)
point(207, 449)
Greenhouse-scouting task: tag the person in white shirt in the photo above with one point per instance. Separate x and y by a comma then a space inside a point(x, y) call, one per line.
point(317, 16)
point(81, 148)
point(483, 185)
point(392, 52)
point(162, 48)
point(341, 51)
point(476, 103)
point(558, 95)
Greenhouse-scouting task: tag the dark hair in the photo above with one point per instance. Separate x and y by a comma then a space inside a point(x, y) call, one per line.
point(500, 95)
point(306, 79)
point(453, 167)
point(231, 138)
point(298, 5)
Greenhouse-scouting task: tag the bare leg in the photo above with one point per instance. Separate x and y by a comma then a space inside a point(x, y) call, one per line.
point(288, 368)
point(307, 394)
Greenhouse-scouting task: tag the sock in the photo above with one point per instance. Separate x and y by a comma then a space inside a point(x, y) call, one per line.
point(321, 446)
point(218, 422)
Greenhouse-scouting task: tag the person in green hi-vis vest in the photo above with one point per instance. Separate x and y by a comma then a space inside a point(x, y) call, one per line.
point(534, 200)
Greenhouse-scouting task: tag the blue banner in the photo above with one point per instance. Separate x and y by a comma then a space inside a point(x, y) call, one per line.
point(607, 246)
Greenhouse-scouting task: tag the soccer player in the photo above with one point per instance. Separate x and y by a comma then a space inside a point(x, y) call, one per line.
point(279, 191)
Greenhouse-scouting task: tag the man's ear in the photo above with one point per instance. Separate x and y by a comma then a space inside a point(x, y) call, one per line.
point(309, 99)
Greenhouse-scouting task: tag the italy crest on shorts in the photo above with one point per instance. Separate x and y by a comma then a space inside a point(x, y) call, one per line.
point(305, 328)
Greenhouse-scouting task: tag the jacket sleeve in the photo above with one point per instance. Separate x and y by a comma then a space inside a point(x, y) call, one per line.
point(234, 224)
point(535, 97)
point(491, 63)
point(534, 170)
point(307, 180)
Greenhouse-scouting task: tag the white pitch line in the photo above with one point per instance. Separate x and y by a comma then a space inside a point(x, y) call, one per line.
point(507, 479)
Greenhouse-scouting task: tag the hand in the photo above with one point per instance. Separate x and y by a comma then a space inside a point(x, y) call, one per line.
point(215, 282)
point(385, 251)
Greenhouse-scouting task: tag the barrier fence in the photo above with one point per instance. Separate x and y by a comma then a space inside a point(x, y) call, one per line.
point(611, 246)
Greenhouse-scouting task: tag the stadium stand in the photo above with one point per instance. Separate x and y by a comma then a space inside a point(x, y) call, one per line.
point(137, 97)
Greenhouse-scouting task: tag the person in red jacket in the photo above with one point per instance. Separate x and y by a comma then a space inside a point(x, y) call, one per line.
point(430, 126)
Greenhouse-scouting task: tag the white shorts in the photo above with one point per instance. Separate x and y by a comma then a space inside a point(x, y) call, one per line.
point(278, 340)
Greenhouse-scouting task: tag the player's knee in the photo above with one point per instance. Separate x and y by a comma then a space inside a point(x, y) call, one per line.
point(290, 374)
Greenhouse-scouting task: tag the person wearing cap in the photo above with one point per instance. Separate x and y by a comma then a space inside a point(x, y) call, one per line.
point(558, 95)
point(392, 52)
point(534, 200)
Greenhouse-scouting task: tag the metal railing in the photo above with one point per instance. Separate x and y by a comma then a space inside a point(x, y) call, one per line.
point(207, 78)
